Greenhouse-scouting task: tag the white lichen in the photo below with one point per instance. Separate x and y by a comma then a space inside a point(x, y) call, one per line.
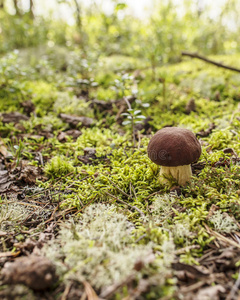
point(161, 210)
point(12, 212)
point(222, 222)
point(162, 214)
point(100, 248)
point(181, 230)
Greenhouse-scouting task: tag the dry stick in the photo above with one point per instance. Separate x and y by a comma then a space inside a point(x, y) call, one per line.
point(66, 291)
point(185, 249)
point(9, 254)
point(90, 291)
point(21, 203)
point(233, 292)
point(30, 215)
point(222, 237)
point(123, 202)
point(196, 55)
point(105, 294)
point(80, 210)
point(119, 188)
point(149, 196)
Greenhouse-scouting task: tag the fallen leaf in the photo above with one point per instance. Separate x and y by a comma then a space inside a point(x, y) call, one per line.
point(196, 271)
point(28, 107)
point(5, 181)
point(207, 132)
point(13, 117)
point(191, 106)
point(75, 120)
point(72, 132)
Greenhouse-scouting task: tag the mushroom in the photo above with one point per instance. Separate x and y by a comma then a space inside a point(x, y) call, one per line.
point(174, 149)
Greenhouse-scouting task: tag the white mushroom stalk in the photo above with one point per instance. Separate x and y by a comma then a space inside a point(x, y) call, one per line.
point(182, 174)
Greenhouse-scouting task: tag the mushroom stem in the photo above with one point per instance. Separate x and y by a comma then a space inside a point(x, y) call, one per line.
point(181, 173)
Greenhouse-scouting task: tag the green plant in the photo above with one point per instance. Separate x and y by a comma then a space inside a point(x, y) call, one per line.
point(133, 116)
point(58, 166)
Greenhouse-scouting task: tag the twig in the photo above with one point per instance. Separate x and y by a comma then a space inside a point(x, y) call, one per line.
point(222, 237)
point(186, 249)
point(131, 187)
point(128, 103)
point(129, 196)
point(90, 291)
point(149, 196)
point(140, 238)
point(233, 292)
point(66, 291)
point(106, 293)
point(79, 200)
point(196, 55)
point(9, 254)
point(123, 202)
point(80, 210)
point(21, 203)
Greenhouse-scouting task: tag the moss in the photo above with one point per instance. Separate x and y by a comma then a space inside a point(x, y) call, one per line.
point(120, 173)
point(58, 166)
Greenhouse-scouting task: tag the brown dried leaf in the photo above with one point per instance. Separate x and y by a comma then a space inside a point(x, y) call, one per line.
point(194, 270)
point(72, 132)
point(5, 181)
point(28, 107)
point(207, 132)
point(75, 120)
point(29, 174)
point(13, 117)
point(191, 106)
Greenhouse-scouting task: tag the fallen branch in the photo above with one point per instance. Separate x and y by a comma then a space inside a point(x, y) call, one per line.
point(196, 55)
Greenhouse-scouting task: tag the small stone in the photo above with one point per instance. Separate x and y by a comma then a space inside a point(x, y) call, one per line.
point(36, 272)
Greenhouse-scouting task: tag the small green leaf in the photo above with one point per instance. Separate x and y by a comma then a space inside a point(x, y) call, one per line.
point(120, 6)
point(136, 112)
point(126, 122)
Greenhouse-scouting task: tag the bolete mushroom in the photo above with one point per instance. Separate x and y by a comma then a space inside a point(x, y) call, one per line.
point(174, 149)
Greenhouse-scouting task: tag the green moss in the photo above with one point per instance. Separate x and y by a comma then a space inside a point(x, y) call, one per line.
point(121, 174)
point(58, 166)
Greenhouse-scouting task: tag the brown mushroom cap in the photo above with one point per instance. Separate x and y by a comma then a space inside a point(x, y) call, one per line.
point(173, 146)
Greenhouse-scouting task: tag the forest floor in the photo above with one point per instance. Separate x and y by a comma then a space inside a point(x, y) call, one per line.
point(83, 215)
